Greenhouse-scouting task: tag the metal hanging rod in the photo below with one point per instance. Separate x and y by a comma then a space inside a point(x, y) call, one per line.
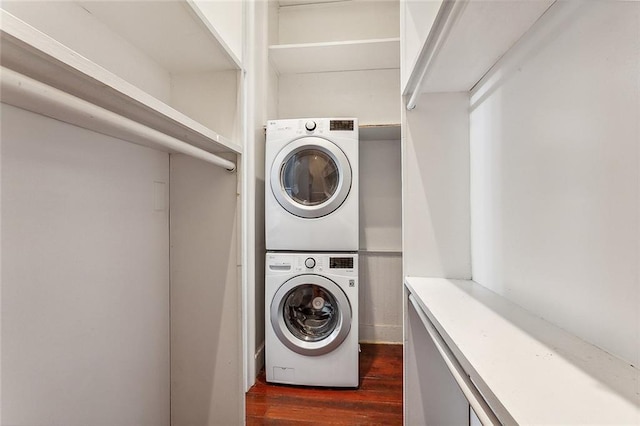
point(447, 15)
point(24, 92)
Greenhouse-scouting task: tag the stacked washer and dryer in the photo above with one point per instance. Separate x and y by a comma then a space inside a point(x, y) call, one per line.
point(312, 235)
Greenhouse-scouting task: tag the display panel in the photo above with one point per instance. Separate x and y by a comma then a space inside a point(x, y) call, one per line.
point(341, 125)
point(341, 262)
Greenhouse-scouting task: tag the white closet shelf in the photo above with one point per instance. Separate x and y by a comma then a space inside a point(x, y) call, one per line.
point(175, 33)
point(528, 370)
point(466, 40)
point(36, 55)
point(336, 56)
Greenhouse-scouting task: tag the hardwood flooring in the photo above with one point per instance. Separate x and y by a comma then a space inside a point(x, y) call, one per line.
point(377, 401)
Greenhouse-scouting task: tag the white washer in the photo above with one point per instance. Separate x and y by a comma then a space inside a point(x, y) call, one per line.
point(311, 319)
point(311, 184)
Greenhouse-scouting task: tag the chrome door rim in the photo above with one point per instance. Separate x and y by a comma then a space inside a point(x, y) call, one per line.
point(334, 339)
point(344, 181)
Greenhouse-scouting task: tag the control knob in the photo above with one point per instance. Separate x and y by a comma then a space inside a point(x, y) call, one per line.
point(310, 262)
point(310, 125)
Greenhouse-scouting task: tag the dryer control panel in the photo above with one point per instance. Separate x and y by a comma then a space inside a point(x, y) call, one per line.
point(342, 263)
point(323, 127)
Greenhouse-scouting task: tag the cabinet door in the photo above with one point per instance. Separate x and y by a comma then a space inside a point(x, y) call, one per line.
point(432, 397)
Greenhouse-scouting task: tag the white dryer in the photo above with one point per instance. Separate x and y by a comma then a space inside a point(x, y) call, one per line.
point(311, 180)
point(311, 319)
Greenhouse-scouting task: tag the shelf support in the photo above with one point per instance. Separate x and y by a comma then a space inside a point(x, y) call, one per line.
point(32, 95)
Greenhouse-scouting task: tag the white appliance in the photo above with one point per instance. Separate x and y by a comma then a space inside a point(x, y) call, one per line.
point(311, 179)
point(311, 319)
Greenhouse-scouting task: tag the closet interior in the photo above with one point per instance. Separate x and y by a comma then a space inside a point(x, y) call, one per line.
point(499, 212)
point(121, 249)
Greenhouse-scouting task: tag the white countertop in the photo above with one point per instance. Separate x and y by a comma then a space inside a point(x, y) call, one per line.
point(528, 370)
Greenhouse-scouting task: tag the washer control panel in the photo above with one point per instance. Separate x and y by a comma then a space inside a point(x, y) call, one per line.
point(341, 262)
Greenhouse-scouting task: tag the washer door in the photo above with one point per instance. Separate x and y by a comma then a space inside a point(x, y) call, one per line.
point(311, 177)
point(310, 314)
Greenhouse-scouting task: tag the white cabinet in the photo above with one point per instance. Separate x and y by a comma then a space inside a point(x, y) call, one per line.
point(121, 242)
point(512, 367)
point(511, 162)
point(431, 395)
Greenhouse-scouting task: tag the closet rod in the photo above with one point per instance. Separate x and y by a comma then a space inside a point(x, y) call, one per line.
point(24, 92)
point(449, 10)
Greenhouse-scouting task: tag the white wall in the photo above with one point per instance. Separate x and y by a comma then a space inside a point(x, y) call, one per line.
point(226, 17)
point(64, 20)
point(339, 21)
point(206, 308)
point(555, 178)
point(380, 297)
point(380, 195)
point(211, 98)
point(380, 241)
point(436, 187)
point(372, 96)
point(85, 276)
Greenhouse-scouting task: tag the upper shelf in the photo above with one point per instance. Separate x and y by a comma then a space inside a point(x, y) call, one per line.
point(175, 33)
point(34, 54)
point(466, 39)
point(336, 56)
point(527, 369)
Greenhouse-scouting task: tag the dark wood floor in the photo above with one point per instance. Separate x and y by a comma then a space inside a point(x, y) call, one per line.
point(377, 401)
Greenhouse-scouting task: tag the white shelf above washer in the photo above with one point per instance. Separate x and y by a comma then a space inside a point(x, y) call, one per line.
point(336, 56)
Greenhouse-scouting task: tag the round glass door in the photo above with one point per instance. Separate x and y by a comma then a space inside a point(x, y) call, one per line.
point(311, 177)
point(311, 314)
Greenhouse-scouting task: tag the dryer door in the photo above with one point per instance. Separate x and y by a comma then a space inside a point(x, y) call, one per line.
point(310, 314)
point(311, 177)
